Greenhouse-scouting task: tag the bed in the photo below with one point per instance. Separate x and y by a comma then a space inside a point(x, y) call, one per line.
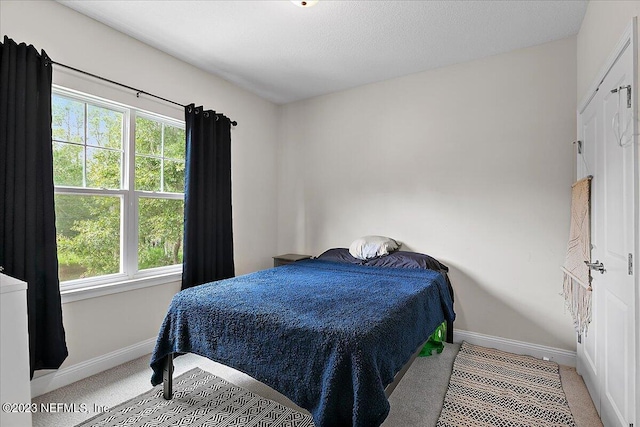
point(330, 333)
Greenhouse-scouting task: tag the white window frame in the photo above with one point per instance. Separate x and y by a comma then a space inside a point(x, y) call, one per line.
point(129, 277)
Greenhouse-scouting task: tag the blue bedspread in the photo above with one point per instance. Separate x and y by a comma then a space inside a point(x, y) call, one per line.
point(329, 336)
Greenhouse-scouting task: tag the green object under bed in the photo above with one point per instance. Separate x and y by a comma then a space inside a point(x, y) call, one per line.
point(435, 341)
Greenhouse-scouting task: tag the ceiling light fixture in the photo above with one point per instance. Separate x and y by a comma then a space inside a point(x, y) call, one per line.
point(304, 3)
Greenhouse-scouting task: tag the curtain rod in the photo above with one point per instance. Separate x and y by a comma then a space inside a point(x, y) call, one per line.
point(138, 91)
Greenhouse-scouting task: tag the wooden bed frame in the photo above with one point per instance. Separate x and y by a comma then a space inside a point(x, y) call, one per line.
point(167, 370)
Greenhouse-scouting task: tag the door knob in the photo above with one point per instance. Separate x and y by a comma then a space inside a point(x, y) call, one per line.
point(598, 266)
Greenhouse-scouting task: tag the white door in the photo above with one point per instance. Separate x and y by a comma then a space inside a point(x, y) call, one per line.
point(606, 357)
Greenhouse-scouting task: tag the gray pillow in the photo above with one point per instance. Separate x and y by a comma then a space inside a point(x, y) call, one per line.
point(403, 259)
point(339, 255)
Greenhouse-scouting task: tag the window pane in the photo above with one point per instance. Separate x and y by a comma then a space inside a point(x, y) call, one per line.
point(147, 173)
point(174, 142)
point(88, 235)
point(67, 164)
point(103, 168)
point(148, 137)
point(160, 232)
point(104, 127)
point(67, 120)
point(173, 176)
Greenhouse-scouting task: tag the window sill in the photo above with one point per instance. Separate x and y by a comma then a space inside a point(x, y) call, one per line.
point(99, 290)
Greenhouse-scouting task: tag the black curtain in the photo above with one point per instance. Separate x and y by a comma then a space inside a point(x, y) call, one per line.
point(27, 218)
point(208, 228)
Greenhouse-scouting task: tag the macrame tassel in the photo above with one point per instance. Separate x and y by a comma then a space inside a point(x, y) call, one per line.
point(578, 301)
point(576, 286)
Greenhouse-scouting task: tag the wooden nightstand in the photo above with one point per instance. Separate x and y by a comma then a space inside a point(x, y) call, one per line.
point(288, 259)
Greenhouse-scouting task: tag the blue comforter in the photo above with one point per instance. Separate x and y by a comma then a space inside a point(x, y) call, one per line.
point(329, 336)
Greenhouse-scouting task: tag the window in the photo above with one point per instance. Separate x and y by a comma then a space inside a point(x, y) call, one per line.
point(119, 190)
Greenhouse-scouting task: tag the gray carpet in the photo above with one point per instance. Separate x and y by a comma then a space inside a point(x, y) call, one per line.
point(417, 401)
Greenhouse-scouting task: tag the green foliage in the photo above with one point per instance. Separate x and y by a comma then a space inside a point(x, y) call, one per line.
point(88, 231)
point(103, 168)
point(104, 127)
point(148, 137)
point(174, 143)
point(173, 176)
point(160, 235)
point(160, 151)
point(88, 152)
point(67, 120)
point(68, 163)
point(148, 173)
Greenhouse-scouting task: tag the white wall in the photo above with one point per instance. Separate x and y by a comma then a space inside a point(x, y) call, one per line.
point(471, 163)
point(98, 326)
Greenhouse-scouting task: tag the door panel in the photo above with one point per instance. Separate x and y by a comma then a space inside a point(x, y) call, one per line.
point(615, 357)
point(618, 286)
point(607, 358)
point(614, 203)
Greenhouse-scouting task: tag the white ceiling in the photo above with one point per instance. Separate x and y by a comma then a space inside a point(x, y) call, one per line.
point(286, 53)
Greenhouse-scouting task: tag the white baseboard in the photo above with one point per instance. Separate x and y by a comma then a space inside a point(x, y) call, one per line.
point(562, 357)
point(65, 376)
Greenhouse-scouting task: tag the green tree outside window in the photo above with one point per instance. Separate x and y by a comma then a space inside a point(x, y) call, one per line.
point(89, 151)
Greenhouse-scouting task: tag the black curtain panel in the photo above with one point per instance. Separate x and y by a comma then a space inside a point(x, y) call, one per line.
point(27, 218)
point(208, 227)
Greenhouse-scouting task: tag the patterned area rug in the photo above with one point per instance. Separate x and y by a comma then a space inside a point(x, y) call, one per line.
point(490, 387)
point(200, 399)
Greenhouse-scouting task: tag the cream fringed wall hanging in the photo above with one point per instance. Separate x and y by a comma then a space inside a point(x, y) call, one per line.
point(577, 279)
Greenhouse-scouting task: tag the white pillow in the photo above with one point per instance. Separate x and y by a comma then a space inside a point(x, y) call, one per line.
point(372, 246)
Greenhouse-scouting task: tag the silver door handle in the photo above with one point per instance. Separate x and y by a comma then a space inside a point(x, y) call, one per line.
point(598, 266)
